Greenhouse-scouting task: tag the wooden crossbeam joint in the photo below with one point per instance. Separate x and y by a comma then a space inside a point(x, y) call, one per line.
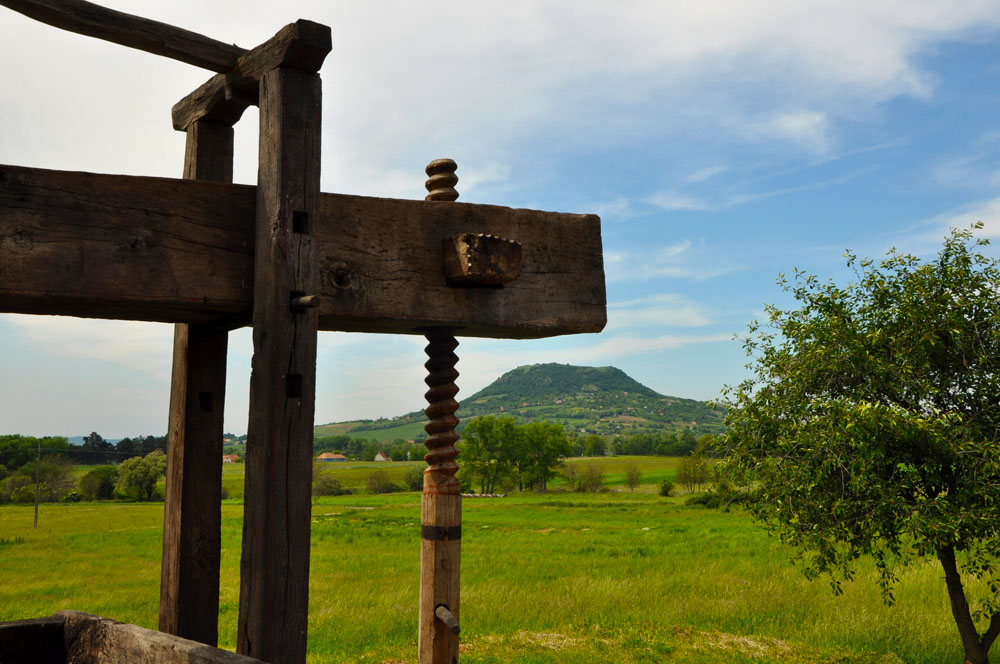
point(302, 45)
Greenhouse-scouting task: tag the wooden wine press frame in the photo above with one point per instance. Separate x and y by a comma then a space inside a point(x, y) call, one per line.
point(211, 256)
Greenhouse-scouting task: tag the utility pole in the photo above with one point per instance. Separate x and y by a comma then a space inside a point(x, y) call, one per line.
point(38, 465)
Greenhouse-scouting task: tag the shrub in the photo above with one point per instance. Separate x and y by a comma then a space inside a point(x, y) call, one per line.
point(414, 479)
point(378, 482)
point(590, 478)
point(666, 487)
point(722, 498)
point(632, 476)
point(99, 483)
point(325, 483)
point(73, 496)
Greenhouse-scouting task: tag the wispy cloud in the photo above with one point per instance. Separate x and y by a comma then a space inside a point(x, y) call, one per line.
point(674, 200)
point(985, 211)
point(810, 130)
point(662, 310)
point(703, 174)
point(145, 347)
point(670, 261)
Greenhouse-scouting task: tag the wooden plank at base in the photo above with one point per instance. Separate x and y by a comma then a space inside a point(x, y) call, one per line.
point(135, 248)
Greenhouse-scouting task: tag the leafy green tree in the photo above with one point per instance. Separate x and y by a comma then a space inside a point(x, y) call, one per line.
point(594, 446)
point(870, 425)
point(486, 454)
point(543, 448)
point(137, 477)
point(99, 483)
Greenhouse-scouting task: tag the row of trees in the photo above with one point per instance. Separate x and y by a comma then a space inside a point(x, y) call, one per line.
point(365, 450)
point(17, 450)
point(499, 454)
point(52, 477)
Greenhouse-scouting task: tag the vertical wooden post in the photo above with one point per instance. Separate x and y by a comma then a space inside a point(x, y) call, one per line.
point(274, 580)
point(189, 579)
point(441, 503)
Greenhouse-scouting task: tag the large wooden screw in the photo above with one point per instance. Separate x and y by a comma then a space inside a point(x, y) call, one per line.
point(441, 504)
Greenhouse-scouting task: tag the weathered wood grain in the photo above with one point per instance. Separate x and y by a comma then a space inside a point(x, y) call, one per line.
point(189, 582)
point(91, 639)
point(302, 45)
point(86, 18)
point(274, 572)
point(103, 246)
point(133, 248)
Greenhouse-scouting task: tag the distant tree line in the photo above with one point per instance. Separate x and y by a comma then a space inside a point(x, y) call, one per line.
point(30, 465)
point(361, 449)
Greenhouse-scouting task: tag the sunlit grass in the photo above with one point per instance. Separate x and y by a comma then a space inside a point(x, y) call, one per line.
point(562, 577)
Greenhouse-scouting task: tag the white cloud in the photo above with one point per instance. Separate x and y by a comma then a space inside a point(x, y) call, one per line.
point(663, 310)
point(987, 212)
point(674, 200)
point(494, 75)
point(145, 347)
point(706, 173)
point(809, 130)
point(677, 261)
point(618, 209)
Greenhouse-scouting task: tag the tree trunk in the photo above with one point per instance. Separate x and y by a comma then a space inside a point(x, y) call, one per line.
point(975, 650)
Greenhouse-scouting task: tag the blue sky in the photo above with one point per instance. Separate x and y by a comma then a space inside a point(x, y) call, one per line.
point(722, 142)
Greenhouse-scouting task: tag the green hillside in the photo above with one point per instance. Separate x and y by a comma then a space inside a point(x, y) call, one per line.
point(602, 400)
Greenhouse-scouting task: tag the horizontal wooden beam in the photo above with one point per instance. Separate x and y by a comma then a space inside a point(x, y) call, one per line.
point(86, 18)
point(302, 45)
point(135, 248)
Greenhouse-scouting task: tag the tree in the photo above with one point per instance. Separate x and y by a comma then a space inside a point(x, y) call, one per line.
point(594, 446)
point(870, 424)
point(692, 472)
point(137, 477)
point(543, 448)
point(632, 476)
point(99, 483)
point(486, 454)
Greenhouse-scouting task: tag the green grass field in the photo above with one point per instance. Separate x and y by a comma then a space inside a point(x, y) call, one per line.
point(560, 578)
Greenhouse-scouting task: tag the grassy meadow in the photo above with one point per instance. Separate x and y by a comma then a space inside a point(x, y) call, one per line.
point(561, 577)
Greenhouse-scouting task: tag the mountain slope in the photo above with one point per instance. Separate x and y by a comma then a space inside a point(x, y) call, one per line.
point(602, 400)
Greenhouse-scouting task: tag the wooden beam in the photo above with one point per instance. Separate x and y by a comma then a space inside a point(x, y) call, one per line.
point(86, 18)
point(192, 522)
point(274, 572)
point(302, 45)
point(182, 251)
